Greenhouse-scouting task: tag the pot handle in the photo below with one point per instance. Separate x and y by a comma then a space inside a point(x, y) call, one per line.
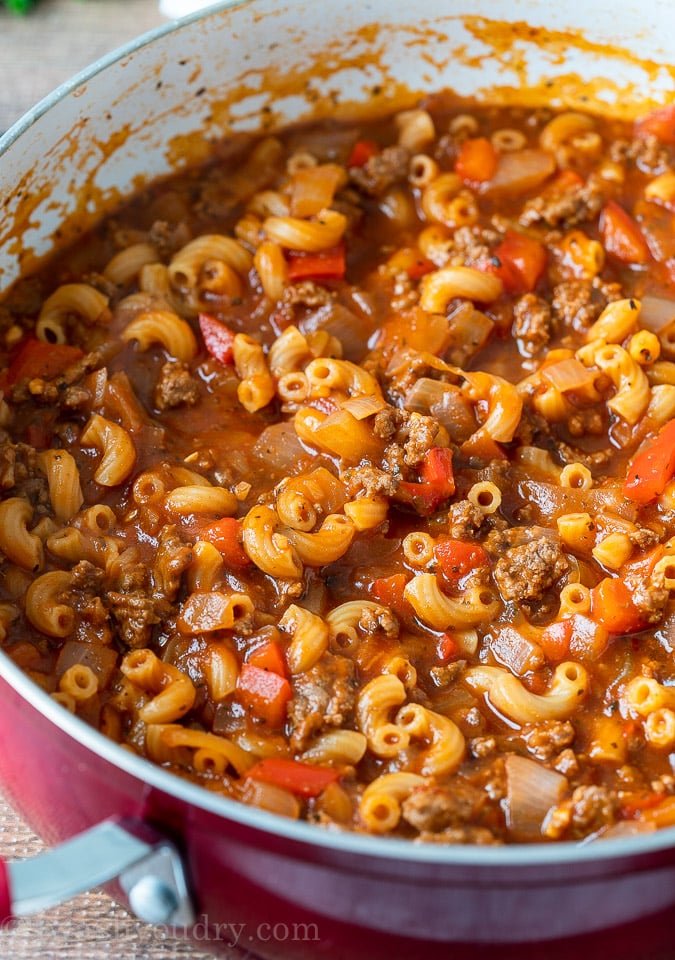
point(146, 864)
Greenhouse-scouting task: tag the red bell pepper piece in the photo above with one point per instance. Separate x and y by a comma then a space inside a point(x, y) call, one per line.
point(521, 261)
point(476, 161)
point(304, 779)
point(390, 592)
point(613, 608)
point(447, 648)
point(34, 358)
point(436, 483)
point(660, 123)
point(264, 693)
point(218, 338)
point(225, 535)
point(653, 468)
point(555, 639)
point(361, 153)
point(577, 636)
point(325, 265)
point(457, 558)
point(268, 656)
point(621, 236)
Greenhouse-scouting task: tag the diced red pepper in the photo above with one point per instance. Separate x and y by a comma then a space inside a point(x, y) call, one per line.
point(325, 265)
point(303, 779)
point(660, 123)
point(476, 161)
point(225, 535)
point(621, 236)
point(390, 592)
point(218, 338)
point(436, 483)
point(577, 636)
point(34, 358)
point(632, 804)
point(521, 261)
point(268, 656)
point(612, 606)
point(361, 153)
point(264, 693)
point(457, 558)
point(555, 639)
point(653, 468)
point(447, 648)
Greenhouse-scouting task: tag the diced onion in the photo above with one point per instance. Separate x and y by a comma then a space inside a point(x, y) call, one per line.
point(569, 374)
point(352, 331)
point(520, 171)
point(279, 446)
point(656, 312)
point(445, 402)
point(362, 407)
point(531, 791)
point(516, 651)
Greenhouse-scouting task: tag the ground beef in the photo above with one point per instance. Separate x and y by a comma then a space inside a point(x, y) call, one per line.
point(574, 304)
point(84, 594)
point(481, 747)
point(167, 238)
point(649, 596)
point(478, 836)
point(464, 520)
point(368, 481)
point(135, 615)
point(323, 696)
point(531, 323)
point(546, 739)
point(433, 808)
point(20, 473)
point(414, 432)
point(307, 293)
point(594, 461)
point(587, 810)
point(175, 386)
point(52, 392)
point(565, 208)
point(378, 620)
point(382, 170)
point(173, 557)
point(647, 153)
point(526, 572)
point(578, 303)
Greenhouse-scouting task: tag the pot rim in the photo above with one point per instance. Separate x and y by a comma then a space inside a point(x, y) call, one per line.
point(503, 858)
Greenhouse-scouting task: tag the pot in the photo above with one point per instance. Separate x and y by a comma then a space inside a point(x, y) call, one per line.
point(236, 878)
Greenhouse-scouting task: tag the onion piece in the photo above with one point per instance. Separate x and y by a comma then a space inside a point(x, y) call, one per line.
point(351, 330)
point(516, 651)
point(362, 407)
point(279, 446)
point(520, 171)
point(656, 312)
point(569, 374)
point(101, 659)
point(445, 402)
point(624, 828)
point(531, 791)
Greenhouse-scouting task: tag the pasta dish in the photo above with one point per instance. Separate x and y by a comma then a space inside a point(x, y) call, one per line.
point(338, 475)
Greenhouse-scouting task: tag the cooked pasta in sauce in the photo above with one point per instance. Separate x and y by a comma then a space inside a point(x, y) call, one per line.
point(338, 475)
